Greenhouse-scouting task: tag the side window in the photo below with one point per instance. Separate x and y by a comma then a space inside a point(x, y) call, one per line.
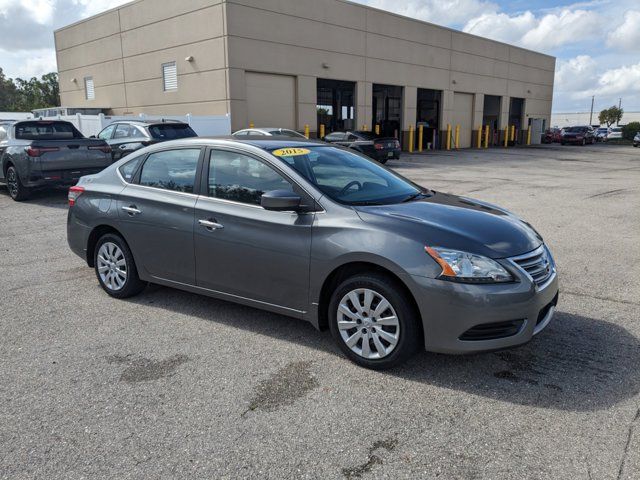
point(3, 133)
point(240, 178)
point(122, 131)
point(335, 137)
point(107, 132)
point(171, 170)
point(128, 170)
point(352, 137)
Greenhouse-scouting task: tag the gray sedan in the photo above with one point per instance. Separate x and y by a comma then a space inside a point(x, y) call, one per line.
point(321, 233)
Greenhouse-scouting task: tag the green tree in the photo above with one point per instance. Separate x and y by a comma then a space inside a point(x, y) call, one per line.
point(7, 93)
point(26, 95)
point(611, 115)
point(630, 129)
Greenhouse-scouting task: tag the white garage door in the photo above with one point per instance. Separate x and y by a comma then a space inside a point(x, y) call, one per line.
point(463, 116)
point(271, 100)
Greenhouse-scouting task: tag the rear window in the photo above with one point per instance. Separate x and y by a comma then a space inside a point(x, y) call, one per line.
point(576, 129)
point(46, 131)
point(171, 131)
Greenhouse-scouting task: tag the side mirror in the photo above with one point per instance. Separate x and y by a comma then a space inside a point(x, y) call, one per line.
point(280, 201)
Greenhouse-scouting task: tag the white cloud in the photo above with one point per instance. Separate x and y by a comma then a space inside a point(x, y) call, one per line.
point(442, 12)
point(547, 32)
point(619, 81)
point(627, 35)
point(577, 74)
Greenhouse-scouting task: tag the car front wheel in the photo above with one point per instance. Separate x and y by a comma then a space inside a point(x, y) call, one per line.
point(372, 321)
point(17, 190)
point(115, 267)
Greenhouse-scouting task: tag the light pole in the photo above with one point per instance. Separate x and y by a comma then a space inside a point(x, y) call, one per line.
point(591, 115)
point(619, 107)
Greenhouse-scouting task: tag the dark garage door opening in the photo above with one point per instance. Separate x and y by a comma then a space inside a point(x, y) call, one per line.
point(335, 105)
point(516, 112)
point(491, 117)
point(387, 109)
point(428, 114)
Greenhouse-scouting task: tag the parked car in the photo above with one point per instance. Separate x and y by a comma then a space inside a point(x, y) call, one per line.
point(601, 134)
point(378, 148)
point(636, 140)
point(268, 132)
point(615, 133)
point(321, 233)
point(127, 136)
point(552, 135)
point(37, 153)
point(578, 135)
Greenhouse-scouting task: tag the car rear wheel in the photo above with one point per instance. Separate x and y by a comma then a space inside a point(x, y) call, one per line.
point(115, 267)
point(372, 321)
point(17, 191)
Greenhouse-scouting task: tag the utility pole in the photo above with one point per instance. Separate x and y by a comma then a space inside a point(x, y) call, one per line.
point(591, 116)
point(619, 107)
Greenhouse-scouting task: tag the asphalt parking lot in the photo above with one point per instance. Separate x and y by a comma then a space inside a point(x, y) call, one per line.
point(173, 385)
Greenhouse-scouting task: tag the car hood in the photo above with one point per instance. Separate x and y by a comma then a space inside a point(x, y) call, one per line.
point(445, 220)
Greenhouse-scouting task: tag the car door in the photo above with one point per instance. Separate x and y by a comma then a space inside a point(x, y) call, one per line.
point(156, 213)
point(126, 139)
point(242, 249)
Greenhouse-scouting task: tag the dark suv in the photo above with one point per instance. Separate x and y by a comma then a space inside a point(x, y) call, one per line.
point(373, 146)
point(128, 136)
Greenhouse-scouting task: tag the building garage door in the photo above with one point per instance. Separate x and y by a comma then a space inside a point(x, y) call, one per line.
point(463, 115)
point(271, 100)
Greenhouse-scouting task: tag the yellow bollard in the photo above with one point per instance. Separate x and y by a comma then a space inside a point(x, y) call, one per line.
point(306, 131)
point(321, 131)
point(529, 135)
point(457, 137)
point(410, 138)
point(486, 137)
point(448, 136)
point(251, 125)
point(377, 129)
point(420, 137)
point(513, 133)
point(480, 137)
point(506, 136)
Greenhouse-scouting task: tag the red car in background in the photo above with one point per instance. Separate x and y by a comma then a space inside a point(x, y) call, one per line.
point(552, 135)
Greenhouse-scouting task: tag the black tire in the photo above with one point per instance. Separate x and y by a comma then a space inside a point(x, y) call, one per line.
point(562, 143)
point(17, 191)
point(132, 285)
point(410, 336)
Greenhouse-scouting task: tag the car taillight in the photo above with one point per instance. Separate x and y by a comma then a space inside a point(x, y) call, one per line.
point(379, 146)
point(74, 193)
point(38, 151)
point(102, 148)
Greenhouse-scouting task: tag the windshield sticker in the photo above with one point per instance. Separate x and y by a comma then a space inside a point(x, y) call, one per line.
point(291, 152)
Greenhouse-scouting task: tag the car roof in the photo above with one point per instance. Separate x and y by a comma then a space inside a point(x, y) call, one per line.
point(149, 122)
point(272, 143)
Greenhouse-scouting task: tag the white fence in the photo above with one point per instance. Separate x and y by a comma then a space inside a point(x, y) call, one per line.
point(204, 126)
point(15, 115)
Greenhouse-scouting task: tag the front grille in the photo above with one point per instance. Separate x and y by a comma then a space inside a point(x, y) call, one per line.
point(492, 331)
point(537, 264)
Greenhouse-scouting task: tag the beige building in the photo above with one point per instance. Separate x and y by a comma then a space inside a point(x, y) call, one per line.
point(292, 63)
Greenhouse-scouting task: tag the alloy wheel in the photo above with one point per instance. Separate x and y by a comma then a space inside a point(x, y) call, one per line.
point(112, 266)
point(12, 182)
point(368, 324)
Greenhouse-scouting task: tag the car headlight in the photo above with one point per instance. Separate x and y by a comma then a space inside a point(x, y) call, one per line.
point(467, 267)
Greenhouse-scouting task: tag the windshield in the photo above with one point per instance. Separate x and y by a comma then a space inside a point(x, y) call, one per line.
point(171, 131)
point(576, 129)
point(347, 177)
point(286, 133)
point(40, 130)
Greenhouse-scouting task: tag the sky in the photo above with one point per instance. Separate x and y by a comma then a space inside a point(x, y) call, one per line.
point(596, 42)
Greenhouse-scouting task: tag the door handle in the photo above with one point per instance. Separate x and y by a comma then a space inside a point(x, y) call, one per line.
point(211, 225)
point(132, 210)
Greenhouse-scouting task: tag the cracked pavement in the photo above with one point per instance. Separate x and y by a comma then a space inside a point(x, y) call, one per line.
point(174, 385)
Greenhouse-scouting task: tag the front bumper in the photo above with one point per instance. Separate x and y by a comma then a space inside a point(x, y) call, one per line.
point(452, 311)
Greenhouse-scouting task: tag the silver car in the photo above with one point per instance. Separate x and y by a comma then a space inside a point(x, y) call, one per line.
point(321, 233)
